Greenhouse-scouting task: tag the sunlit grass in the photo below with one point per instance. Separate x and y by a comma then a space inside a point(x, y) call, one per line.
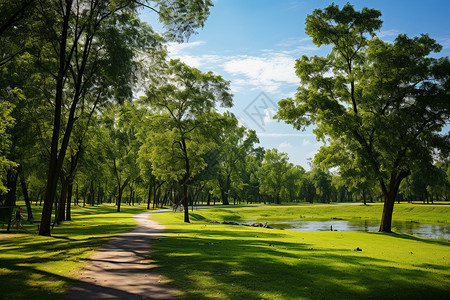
point(213, 261)
point(402, 212)
point(36, 267)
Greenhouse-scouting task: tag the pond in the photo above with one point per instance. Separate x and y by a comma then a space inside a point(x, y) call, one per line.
point(429, 231)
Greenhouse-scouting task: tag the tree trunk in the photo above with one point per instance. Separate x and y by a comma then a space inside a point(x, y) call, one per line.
point(55, 161)
point(26, 198)
point(62, 200)
point(69, 200)
point(119, 199)
point(149, 196)
point(121, 188)
point(11, 183)
point(388, 208)
point(389, 199)
point(186, 201)
point(224, 198)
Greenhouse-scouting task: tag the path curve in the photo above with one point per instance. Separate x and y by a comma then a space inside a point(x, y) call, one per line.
point(122, 269)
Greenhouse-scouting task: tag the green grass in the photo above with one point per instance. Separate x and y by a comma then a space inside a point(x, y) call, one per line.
point(213, 261)
point(36, 267)
point(433, 214)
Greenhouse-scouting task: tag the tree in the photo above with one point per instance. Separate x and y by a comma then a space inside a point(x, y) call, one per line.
point(322, 184)
point(384, 103)
point(123, 147)
point(184, 104)
point(294, 177)
point(234, 146)
point(6, 121)
point(273, 172)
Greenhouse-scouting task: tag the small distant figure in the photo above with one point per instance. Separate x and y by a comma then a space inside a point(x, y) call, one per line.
point(357, 249)
point(18, 218)
point(331, 227)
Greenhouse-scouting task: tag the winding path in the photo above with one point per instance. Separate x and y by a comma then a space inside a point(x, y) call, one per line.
point(122, 268)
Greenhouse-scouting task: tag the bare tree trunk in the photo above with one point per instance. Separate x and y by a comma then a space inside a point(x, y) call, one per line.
point(149, 196)
point(11, 182)
point(69, 200)
point(26, 198)
point(389, 199)
point(62, 200)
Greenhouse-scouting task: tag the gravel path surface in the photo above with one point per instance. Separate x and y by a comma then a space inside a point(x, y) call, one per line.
point(122, 268)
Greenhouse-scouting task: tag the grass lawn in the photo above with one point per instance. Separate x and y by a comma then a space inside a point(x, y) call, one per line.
point(213, 261)
point(424, 213)
point(36, 267)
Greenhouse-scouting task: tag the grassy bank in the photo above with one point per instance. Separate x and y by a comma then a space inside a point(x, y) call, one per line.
point(433, 214)
point(36, 267)
point(213, 261)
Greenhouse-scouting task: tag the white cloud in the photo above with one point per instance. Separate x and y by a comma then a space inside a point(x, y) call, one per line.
point(269, 71)
point(285, 146)
point(306, 142)
point(193, 61)
point(176, 49)
point(388, 33)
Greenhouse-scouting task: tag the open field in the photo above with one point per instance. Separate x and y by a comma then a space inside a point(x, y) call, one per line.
point(213, 261)
point(36, 267)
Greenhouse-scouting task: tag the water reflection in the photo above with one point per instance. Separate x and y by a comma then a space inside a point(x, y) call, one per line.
point(429, 231)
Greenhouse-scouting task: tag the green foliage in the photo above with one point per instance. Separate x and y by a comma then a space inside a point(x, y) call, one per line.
point(6, 122)
point(183, 108)
point(235, 143)
point(273, 174)
point(182, 17)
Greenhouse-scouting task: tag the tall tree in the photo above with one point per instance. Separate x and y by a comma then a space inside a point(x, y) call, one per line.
point(385, 103)
point(123, 147)
point(185, 103)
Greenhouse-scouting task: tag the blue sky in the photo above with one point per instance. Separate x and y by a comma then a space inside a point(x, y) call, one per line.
point(254, 44)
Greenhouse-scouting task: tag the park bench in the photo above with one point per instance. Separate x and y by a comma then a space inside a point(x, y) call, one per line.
point(6, 216)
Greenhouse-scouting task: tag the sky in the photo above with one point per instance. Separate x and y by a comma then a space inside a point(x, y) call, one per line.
point(255, 43)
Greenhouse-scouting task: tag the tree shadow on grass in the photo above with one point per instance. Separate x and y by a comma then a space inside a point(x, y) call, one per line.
point(251, 265)
point(413, 238)
point(20, 256)
point(21, 284)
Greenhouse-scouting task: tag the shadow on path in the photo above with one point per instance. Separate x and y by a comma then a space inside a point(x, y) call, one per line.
point(122, 269)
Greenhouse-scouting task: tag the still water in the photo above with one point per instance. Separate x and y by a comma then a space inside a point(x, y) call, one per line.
point(429, 231)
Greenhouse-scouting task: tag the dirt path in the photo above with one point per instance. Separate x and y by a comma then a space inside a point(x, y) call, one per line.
point(122, 269)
